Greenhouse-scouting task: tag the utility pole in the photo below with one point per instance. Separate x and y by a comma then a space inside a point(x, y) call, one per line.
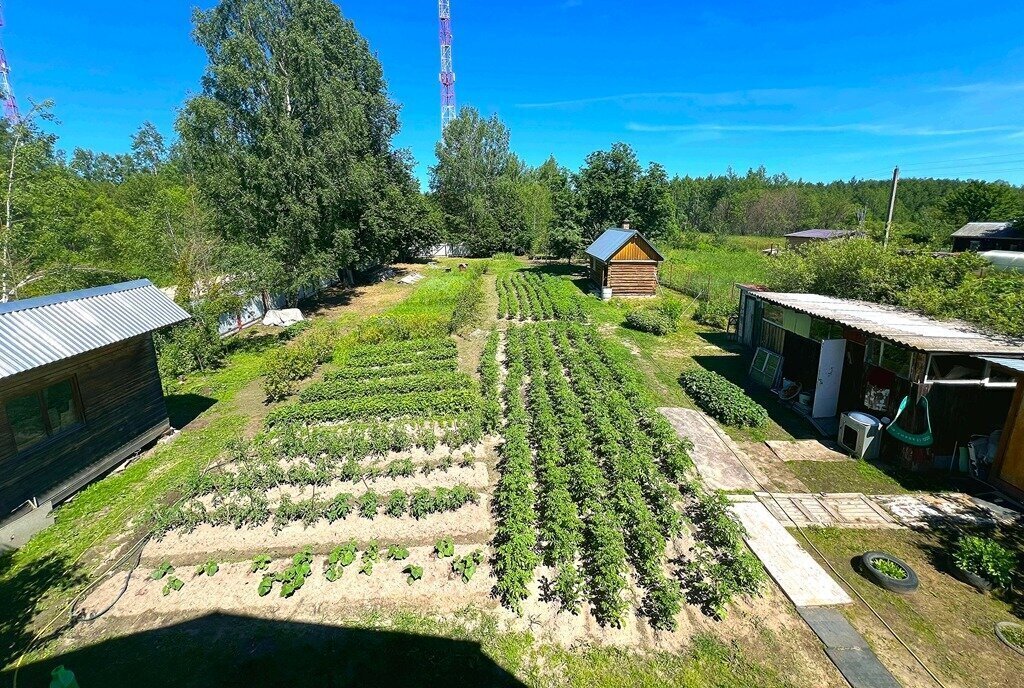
point(892, 205)
point(447, 75)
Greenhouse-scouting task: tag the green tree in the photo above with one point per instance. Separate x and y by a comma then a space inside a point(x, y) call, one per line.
point(290, 141)
point(982, 202)
point(607, 186)
point(476, 183)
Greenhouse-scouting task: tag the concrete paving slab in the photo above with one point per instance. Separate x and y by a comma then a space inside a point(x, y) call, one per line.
point(837, 510)
point(832, 628)
point(861, 668)
point(803, 580)
point(714, 452)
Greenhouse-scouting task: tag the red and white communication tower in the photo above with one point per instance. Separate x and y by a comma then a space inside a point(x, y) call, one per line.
point(6, 93)
point(447, 72)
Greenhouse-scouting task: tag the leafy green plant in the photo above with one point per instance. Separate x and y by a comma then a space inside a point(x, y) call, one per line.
point(889, 568)
point(161, 571)
point(722, 399)
point(260, 562)
point(466, 566)
point(371, 555)
point(338, 559)
point(650, 320)
point(445, 547)
point(413, 573)
point(173, 584)
point(369, 504)
point(986, 558)
point(210, 568)
point(266, 585)
point(396, 552)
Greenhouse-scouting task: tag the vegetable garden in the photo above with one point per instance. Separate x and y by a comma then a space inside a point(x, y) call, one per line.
point(528, 296)
point(548, 482)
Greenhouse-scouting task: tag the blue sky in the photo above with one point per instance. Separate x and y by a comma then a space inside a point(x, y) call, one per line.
point(816, 90)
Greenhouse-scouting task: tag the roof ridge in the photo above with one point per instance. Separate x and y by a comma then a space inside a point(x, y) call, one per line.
point(68, 296)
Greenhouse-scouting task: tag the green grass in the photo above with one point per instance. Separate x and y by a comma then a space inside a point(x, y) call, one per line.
point(718, 264)
point(942, 614)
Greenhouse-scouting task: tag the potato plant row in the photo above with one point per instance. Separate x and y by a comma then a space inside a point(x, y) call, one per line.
point(347, 389)
point(252, 509)
point(522, 296)
point(389, 352)
point(435, 404)
point(720, 565)
point(489, 389)
point(643, 500)
point(515, 539)
point(394, 370)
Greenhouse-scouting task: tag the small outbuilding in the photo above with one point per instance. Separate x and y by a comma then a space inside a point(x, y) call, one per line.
point(806, 236)
point(989, 236)
point(624, 263)
point(79, 393)
point(946, 385)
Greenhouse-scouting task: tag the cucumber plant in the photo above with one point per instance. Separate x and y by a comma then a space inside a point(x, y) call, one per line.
point(396, 552)
point(466, 566)
point(339, 558)
point(261, 562)
point(161, 571)
point(413, 573)
point(445, 547)
point(210, 568)
point(173, 584)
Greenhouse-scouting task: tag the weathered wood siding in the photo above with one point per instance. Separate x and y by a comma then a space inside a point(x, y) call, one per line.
point(636, 248)
point(121, 399)
point(633, 279)
point(596, 273)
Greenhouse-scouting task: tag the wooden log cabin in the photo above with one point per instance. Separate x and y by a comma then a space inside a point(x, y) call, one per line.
point(624, 263)
point(79, 393)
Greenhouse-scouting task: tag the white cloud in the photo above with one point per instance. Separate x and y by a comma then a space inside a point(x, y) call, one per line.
point(985, 88)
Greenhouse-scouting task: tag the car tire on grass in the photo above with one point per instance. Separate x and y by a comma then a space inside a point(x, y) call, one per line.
point(897, 585)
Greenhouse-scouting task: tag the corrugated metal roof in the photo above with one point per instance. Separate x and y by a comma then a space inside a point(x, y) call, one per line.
point(43, 330)
point(988, 230)
point(899, 326)
point(1014, 364)
point(821, 233)
point(611, 240)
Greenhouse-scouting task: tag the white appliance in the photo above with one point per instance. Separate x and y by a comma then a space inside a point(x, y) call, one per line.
point(860, 434)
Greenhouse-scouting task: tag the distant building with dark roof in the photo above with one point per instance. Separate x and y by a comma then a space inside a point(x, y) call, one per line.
point(989, 236)
point(79, 393)
point(624, 263)
point(796, 239)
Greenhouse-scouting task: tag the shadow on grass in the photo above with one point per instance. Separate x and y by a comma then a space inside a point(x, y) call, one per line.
point(229, 650)
point(182, 409)
point(20, 595)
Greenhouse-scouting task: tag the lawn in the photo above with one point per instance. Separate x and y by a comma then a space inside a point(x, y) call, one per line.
point(947, 623)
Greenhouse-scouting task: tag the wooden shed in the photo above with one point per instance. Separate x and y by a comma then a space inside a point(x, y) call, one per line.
point(1008, 469)
point(624, 263)
point(79, 393)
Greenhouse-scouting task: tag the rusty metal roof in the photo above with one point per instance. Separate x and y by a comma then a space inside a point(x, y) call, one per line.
point(36, 332)
point(903, 327)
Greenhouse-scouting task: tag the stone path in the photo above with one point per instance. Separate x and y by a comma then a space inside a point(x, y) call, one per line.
point(847, 649)
point(803, 580)
point(839, 510)
point(714, 452)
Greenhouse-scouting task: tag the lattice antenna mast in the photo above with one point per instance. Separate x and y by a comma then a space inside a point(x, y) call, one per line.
point(447, 72)
point(6, 93)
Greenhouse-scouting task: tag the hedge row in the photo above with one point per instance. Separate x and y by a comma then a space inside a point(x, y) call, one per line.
point(723, 400)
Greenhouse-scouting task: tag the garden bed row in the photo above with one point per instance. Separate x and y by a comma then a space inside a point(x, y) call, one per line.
point(527, 296)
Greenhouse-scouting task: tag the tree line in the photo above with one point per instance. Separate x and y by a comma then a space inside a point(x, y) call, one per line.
point(283, 171)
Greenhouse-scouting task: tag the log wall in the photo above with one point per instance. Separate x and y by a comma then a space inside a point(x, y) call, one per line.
point(120, 397)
